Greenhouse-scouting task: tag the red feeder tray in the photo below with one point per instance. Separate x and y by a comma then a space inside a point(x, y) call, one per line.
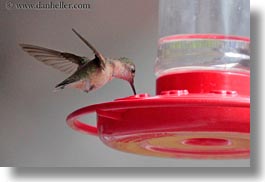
point(207, 117)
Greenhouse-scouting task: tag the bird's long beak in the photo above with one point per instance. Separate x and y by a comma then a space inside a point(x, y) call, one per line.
point(133, 88)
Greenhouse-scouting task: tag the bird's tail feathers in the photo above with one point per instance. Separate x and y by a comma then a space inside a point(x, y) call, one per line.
point(64, 84)
point(58, 88)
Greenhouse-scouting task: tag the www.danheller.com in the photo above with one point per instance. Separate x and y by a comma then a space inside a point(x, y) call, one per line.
point(10, 5)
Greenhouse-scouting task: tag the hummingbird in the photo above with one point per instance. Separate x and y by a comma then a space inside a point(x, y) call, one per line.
point(85, 74)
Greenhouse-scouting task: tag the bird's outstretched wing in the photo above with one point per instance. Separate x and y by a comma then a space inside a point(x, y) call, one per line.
point(63, 61)
point(99, 56)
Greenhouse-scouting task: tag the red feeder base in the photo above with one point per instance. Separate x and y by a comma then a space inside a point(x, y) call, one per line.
point(177, 123)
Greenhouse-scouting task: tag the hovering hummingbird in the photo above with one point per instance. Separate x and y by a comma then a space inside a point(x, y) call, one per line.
point(85, 74)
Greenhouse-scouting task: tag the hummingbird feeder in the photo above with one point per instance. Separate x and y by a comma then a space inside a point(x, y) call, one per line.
point(201, 109)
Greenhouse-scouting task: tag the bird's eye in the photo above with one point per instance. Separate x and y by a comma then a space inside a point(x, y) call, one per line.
point(133, 70)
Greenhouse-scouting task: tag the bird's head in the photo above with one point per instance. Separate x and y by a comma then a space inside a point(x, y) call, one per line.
point(127, 71)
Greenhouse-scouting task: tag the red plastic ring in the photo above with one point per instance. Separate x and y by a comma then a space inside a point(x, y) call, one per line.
point(203, 36)
point(73, 122)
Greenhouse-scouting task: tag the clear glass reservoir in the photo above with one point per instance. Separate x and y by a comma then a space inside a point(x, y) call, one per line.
point(203, 35)
point(202, 52)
